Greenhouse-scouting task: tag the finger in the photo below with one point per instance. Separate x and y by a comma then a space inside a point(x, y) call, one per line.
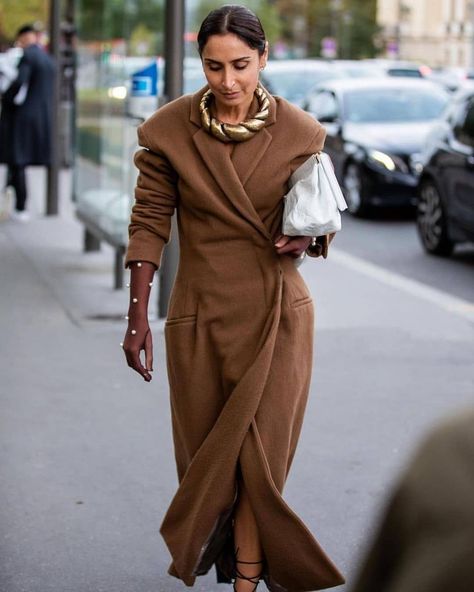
point(283, 240)
point(295, 245)
point(149, 351)
point(300, 243)
point(133, 359)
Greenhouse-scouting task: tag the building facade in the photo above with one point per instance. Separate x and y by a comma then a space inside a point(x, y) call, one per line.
point(436, 32)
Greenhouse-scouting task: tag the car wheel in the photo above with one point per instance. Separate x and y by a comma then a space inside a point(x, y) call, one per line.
point(431, 221)
point(355, 190)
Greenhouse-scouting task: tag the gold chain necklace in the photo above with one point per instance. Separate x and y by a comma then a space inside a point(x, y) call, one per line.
point(239, 132)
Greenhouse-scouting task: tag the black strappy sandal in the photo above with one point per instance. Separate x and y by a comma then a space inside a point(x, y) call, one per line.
point(240, 576)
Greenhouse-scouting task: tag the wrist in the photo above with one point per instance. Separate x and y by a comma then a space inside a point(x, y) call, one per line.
point(137, 315)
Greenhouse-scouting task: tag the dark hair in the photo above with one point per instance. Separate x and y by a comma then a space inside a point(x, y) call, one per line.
point(235, 19)
point(26, 29)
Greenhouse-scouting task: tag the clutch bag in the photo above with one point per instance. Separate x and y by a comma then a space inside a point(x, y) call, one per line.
point(313, 205)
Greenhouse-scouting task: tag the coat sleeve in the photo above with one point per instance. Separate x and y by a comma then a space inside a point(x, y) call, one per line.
point(316, 144)
point(156, 197)
point(23, 77)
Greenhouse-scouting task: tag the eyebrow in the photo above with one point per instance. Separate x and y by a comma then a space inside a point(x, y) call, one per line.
point(242, 59)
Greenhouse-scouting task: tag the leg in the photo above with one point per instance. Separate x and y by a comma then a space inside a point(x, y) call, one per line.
point(248, 550)
point(9, 176)
point(91, 243)
point(17, 179)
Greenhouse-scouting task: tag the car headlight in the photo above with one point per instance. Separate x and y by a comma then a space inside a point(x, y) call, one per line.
point(417, 163)
point(387, 161)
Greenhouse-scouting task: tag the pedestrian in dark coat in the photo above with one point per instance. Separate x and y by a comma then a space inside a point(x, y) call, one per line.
point(25, 129)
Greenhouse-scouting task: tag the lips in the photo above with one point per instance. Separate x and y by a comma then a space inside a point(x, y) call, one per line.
point(231, 95)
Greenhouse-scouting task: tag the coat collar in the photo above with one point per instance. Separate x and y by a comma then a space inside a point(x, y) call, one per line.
point(232, 173)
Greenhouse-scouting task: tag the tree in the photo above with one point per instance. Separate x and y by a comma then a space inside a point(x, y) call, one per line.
point(102, 20)
point(14, 14)
point(351, 22)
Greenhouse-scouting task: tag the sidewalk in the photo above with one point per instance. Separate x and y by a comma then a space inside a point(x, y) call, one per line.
point(86, 448)
point(84, 441)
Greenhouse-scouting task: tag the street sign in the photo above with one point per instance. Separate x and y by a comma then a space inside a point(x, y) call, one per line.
point(144, 82)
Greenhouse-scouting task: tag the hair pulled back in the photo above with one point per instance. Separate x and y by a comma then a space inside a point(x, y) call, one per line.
point(235, 19)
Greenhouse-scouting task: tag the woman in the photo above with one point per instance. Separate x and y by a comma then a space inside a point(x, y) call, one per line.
point(239, 331)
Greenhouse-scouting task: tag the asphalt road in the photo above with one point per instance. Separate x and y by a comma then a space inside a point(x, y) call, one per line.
point(389, 239)
point(86, 459)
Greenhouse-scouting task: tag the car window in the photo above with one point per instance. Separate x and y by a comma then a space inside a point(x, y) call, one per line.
point(410, 72)
point(394, 105)
point(294, 85)
point(464, 129)
point(324, 105)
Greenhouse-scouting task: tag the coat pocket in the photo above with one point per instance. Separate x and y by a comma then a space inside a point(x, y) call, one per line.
point(184, 320)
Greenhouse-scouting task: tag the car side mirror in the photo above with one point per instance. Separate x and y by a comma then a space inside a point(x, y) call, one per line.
point(328, 117)
point(333, 128)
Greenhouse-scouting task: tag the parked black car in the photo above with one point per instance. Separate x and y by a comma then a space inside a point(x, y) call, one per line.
point(375, 131)
point(445, 212)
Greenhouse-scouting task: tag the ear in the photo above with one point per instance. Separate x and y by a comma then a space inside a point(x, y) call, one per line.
point(264, 56)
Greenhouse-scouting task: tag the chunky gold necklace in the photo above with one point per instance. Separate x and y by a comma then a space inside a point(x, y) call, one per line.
point(239, 132)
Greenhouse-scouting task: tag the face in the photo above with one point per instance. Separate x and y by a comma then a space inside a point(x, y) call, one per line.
point(232, 68)
point(26, 39)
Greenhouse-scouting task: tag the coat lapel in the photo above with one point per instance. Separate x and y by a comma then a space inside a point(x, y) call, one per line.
point(231, 174)
point(247, 155)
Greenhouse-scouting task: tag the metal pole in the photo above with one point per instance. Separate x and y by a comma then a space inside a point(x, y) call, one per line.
point(174, 56)
point(52, 198)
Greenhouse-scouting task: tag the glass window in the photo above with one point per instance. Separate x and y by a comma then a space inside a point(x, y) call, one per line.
point(391, 105)
point(293, 81)
point(404, 72)
point(116, 41)
point(324, 106)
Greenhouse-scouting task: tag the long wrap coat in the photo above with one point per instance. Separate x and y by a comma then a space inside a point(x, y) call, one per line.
point(239, 335)
point(25, 130)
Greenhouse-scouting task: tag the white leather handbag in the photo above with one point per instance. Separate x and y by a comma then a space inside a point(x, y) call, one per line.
point(313, 204)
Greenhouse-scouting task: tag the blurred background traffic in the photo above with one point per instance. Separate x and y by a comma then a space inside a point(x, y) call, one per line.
point(391, 80)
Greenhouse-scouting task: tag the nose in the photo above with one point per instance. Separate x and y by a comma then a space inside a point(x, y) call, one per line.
point(227, 80)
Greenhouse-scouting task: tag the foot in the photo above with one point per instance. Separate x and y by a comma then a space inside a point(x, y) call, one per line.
point(20, 216)
point(247, 575)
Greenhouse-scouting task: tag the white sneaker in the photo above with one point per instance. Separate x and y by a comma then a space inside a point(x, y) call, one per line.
point(17, 216)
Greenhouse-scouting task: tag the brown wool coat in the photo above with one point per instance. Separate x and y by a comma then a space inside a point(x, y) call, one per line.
point(239, 335)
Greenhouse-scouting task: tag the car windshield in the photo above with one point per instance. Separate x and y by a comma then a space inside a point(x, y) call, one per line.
point(294, 86)
point(392, 105)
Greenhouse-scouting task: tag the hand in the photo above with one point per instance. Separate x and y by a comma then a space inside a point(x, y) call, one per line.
point(294, 246)
point(133, 345)
point(138, 336)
